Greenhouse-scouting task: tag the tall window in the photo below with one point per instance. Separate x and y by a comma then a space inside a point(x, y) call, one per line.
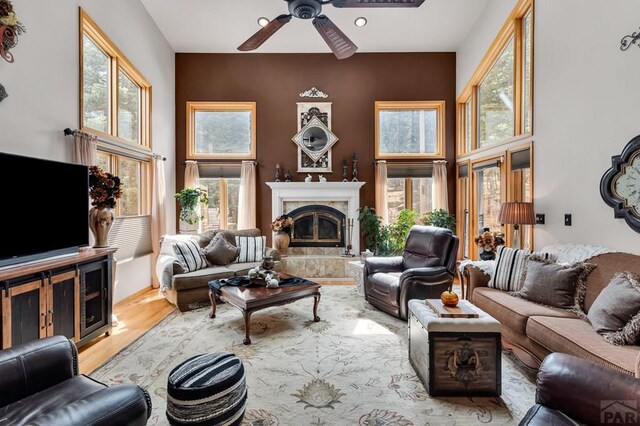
point(410, 129)
point(521, 188)
point(495, 101)
point(496, 105)
point(463, 209)
point(222, 211)
point(221, 130)
point(487, 196)
point(409, 186)
point(115, 97)
point(115, 102)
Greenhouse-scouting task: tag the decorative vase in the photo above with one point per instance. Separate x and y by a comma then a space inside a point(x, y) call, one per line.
point(281, 241)
point(100, 222)
point(487, 255)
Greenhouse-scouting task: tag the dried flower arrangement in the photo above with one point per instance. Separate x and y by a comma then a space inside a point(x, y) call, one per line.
point(104, 188)
point(489, 241)
point(10, 29)
point(282, 223)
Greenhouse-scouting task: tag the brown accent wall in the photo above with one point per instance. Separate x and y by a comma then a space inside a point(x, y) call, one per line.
point(274, 82)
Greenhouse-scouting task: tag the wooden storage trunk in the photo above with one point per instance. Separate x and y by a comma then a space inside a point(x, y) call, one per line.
point(455, 356)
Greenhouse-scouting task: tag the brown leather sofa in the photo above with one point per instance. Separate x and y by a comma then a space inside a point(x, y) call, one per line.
point(40, 385)
point(533, 331)
point(424, 270)
point(182, 289)
point(572, 390)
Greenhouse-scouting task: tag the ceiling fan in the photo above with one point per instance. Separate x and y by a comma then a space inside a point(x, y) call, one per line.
point(339, 43)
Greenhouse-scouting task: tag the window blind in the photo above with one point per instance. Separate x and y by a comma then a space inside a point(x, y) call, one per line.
point(521, 159)
point(213, 170)
point(132, 236)
point(409, 170)
point(463, 171)
point(484, 166)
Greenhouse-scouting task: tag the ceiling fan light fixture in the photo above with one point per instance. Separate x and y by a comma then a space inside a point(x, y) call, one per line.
point(360, 21)
point(263, 22)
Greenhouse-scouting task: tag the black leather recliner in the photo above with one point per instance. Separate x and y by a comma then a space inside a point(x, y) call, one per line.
point(425, 269)
point(40, 385)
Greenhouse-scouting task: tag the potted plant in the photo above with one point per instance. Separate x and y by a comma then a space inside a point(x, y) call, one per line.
point(488, 242)
point(189, 199)
point(440, 218)
point(376, 236)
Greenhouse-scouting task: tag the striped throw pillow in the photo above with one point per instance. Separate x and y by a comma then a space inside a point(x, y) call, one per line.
point(510, 265)
point(251, 248)
point(188, 254)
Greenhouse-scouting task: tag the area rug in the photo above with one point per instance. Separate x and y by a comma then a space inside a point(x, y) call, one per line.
point(351, 368)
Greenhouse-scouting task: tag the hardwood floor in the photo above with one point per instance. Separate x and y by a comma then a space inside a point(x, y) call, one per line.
point(136, 315)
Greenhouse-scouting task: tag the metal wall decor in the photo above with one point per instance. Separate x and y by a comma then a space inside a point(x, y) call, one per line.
point(314, 137)
point(3, 93)
point(620, 185)
point(629, 40)
point(10, 29)
point(313, 93)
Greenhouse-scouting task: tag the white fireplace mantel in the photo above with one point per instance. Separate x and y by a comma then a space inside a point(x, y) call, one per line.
point(318, 192)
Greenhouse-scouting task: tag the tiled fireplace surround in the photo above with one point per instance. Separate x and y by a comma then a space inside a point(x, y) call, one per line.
point(318, 262)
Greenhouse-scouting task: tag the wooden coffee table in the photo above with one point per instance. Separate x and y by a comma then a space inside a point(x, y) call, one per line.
point(252, 299)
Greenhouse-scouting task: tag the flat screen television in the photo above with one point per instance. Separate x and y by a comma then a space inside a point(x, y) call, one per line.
point(44, 208)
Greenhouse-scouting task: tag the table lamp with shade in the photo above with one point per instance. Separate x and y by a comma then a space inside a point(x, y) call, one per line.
point(517, 213)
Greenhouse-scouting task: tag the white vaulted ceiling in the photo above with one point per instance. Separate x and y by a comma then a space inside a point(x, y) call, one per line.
point(220, 26)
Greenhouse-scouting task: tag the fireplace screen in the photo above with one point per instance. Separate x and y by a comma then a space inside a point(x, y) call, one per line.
point(317, 226)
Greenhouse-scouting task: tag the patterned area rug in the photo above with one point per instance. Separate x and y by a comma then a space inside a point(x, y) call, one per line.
point(351, 368)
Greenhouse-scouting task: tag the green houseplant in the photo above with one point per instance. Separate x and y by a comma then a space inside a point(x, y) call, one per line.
point(399, 230)
point(440, 218)
point(375, 234)
point(189, 198)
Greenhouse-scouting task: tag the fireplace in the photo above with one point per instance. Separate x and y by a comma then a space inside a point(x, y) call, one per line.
point(317, 226)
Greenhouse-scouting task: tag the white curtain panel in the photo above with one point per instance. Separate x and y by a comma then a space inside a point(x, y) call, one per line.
point(440, 193)
point(158, 211)
point(191, 175)
point(85, 149)
point(382, 206)
point(247, 197)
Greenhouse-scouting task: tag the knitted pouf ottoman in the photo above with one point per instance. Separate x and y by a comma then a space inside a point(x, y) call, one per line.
point(207, 389)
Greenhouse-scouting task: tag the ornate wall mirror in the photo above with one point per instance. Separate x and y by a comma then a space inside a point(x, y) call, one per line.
point(314, 138)
point(620, 185)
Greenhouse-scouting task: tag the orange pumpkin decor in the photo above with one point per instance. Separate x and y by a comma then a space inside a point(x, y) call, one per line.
point(449, 298)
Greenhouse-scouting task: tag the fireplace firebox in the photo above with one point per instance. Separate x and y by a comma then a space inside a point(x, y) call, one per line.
point(317, 226)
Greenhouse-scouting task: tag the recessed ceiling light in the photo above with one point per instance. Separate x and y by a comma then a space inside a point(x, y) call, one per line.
point(361, 21)
point(263, 21)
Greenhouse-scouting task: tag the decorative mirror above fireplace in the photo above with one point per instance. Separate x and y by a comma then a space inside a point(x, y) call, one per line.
point(314, 137)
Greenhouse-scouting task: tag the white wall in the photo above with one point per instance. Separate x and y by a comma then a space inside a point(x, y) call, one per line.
point(586, 110)
point(44, 95)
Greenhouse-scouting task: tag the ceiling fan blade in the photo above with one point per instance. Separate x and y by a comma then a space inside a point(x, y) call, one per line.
point(264, 33)
point(339, 43)
point(377, 3)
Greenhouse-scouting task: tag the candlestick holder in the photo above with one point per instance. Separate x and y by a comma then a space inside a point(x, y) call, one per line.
point(354, 172)
point(344, 173)
point(348, 235)
point(277, 172)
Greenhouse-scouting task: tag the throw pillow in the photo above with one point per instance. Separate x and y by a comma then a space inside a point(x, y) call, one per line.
point(219, 251)
point(188, 254)
point(616, 311)
point(510, 266)
point(251, 248)
point(553, 284)
point(205, 238)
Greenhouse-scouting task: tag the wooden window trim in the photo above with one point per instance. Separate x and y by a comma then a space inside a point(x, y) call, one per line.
point(460, 202)
point(513, 27)
point(118, 61)
point(514, 188)
point(438, 106)
point(193, 107)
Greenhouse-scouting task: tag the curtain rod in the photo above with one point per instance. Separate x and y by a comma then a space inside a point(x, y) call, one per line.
point(69, 132)
point(410, 163)
point(218, 164)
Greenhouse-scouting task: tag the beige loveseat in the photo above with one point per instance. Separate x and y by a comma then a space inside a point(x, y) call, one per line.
point(533, 331)
point(182, 289)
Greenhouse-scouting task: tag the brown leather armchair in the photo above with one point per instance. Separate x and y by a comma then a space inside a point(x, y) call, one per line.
point(572, 390)
point(40, 385)
point(424, 270)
